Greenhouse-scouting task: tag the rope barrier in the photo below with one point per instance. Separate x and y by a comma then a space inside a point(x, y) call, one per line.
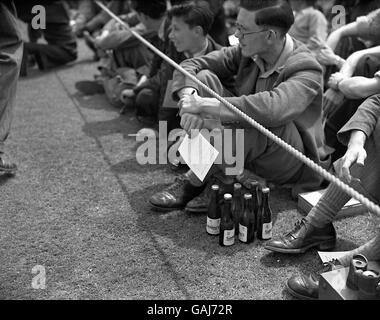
point(371, 206)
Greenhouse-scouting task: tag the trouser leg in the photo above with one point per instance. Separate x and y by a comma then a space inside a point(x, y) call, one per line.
point(10, 61)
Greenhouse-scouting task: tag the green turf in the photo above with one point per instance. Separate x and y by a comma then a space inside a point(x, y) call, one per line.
point(78, 206)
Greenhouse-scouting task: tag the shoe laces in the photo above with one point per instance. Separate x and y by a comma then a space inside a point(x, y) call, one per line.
point(177, 185)
point(297, 226)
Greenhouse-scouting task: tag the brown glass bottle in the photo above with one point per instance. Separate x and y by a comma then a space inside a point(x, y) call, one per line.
point(247, 221)
point(227, 225)
point(237, 205)
point(264, 229)
point(255, 201)
point(213, 213)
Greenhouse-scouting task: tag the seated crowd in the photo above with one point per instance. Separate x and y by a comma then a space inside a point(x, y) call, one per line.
point(309, 78)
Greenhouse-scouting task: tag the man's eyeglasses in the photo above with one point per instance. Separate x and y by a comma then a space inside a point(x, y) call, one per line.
point(241, 34)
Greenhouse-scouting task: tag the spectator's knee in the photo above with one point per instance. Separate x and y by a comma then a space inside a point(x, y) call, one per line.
point(145, 97)
point(206, 75)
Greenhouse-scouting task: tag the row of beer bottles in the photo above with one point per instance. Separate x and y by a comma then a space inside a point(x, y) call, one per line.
point(237, 215)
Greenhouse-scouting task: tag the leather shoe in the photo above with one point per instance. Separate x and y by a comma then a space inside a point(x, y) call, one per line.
point(7, 167)
point(200, 203)
point(303, 287)
point(306, 286)
point(303, 237)
point(176, 196)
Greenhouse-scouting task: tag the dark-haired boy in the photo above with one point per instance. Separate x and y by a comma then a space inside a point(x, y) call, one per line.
point(278, 83)
point(185, 36)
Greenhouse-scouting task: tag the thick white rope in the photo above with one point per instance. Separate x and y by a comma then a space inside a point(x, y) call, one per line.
point(371, 206)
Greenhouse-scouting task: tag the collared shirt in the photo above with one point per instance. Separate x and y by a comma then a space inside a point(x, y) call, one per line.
point(197, 54)
point(267, 78)
point(161, 30)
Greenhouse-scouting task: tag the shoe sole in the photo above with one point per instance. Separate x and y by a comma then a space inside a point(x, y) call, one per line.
point(5, 171)
point(323, 246)
point(297, 295)
point(162, 209)
point(194, 210)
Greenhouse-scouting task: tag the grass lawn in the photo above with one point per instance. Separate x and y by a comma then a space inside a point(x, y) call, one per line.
point(78, 207)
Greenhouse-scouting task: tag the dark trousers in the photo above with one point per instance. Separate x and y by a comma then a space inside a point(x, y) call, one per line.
point(47, 55)
point(147, 103)
point(10, 60)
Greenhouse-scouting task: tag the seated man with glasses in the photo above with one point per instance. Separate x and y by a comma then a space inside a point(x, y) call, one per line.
point(278, 83)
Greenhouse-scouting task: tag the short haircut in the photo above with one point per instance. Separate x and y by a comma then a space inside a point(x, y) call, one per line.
point(154, 9)
point(194, 13)
point(311, 2)
point(275, 13)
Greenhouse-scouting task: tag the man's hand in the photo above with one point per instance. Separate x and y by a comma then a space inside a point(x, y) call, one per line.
point(335, 79)
point(327, 57)
point(185, 92)
point(332, 100)
point(316, 43)
point(191, 104)
point(355, 154)
point(191, 122)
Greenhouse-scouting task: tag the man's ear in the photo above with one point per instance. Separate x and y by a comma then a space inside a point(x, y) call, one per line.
point(271, 35)
point(198, 30)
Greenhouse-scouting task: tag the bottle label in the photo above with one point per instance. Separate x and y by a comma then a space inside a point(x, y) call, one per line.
point(213, 226)
point(243, 233)
point(267, 231)
point(229, 237)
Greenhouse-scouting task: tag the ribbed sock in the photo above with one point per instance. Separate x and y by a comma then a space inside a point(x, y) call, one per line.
point(328, 206)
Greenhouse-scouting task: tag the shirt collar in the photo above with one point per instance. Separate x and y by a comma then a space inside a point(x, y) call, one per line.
point(198, 54)
point(161, 30)
point(279, 65)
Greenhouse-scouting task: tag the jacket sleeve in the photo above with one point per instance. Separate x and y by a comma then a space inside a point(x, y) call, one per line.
point(284, 103)
point(364, 119)
point(224, 63)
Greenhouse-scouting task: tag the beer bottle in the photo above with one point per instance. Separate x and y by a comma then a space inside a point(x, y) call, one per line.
point(227, 226)
point(237, 206)
point(255, 201)
point(264, 230)
point(247, 221)
point(213, 214)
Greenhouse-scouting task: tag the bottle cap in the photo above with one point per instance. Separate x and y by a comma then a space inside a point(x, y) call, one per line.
point(254, 183)
point(215, 187)
point(247, 196)
point(227, 196)
point(371, 273)
point(237, 186)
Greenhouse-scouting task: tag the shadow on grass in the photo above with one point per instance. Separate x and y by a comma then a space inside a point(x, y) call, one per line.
point(93, 102)
point(130, 165)
point(35, 73)
point(5, 177)
point(119, 125)
point(186, 230)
